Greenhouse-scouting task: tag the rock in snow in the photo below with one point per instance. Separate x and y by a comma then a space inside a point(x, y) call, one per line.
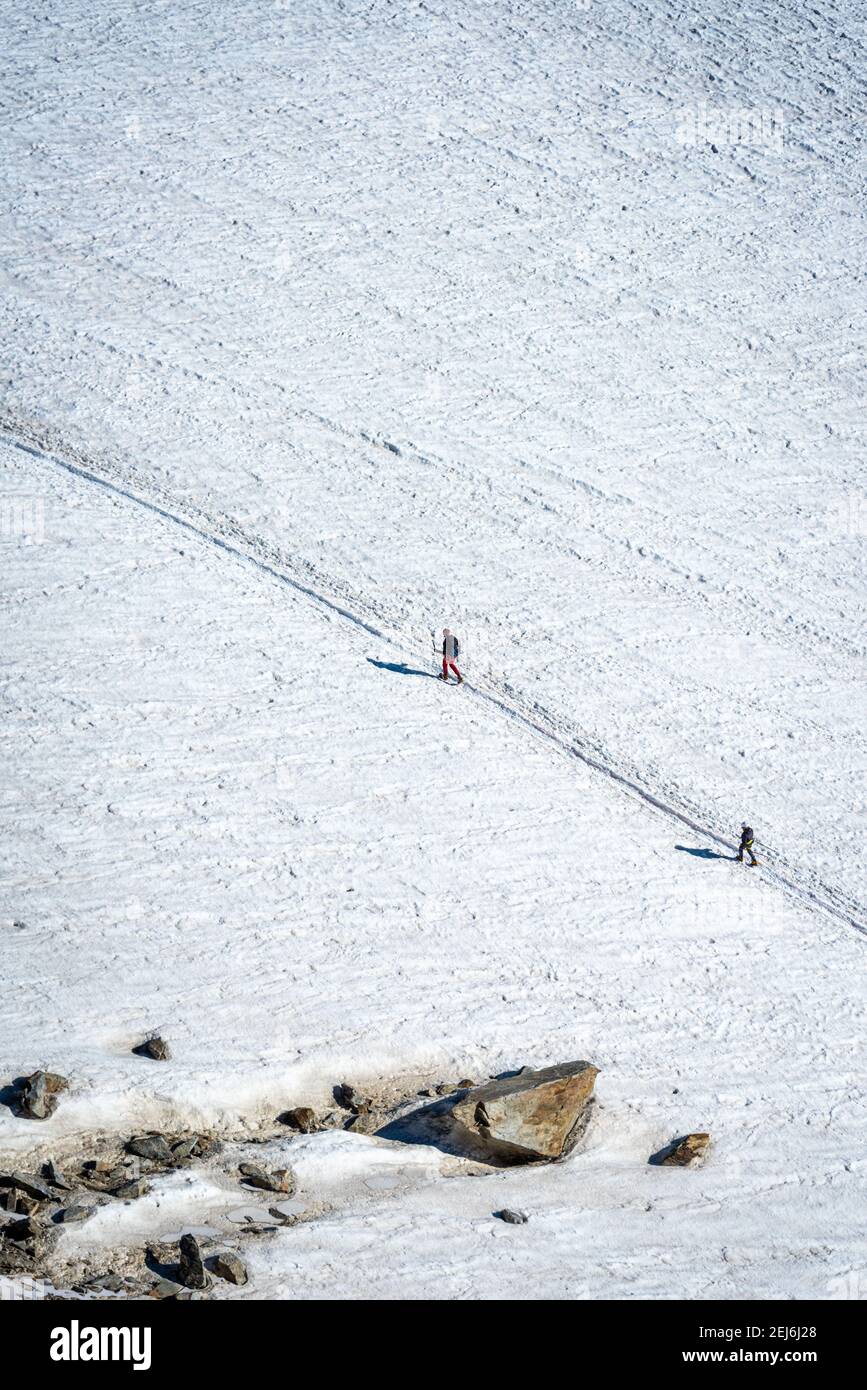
point(280, 1180)
point(229, 1266)
point(683, 1151)
point(301, 1118)
point(152, 1146)
point(38, 1095)
point(191, 1270)
point(534, 1116)
point(154, 1047)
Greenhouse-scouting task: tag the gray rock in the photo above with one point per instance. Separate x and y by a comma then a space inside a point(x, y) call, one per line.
point(191, 1270)
point(229, 1266)
point(349, 1098)
point(55, 1176)
point(13, 1260)
point(75, 1212)
point(30, 1235)
point(32, 1187)
point(128, 1191)
point(152, 1146)
point(20, 1203)
point(39, 1094)
point(280, 1180)
point(535, 1116)
point(21, 1231)
point(184, 1149)
point(513, 1218)
point(112, 1283)
point(165, 1288)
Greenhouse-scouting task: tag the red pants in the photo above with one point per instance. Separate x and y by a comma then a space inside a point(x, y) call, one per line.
point(446, 665)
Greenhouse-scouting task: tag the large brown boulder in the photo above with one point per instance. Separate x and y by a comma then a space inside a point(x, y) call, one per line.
point(535, 1116)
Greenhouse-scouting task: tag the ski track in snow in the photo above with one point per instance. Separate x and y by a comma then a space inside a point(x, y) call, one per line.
point(279, 565)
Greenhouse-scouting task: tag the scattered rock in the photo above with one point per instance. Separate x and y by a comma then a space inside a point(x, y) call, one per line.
point(20, 1203)
point(22, 1231)
point(32, 1187)
point(154, 1047)
point(191, 1270)
point(152, 1146)
point(164, 1288)
point(112, 1283)
point(206, 1146)
point(229, 1266)
point(534, 1116)
point(301, 1118)
point(184, 1149)
point(349, 1098)
point(682, 1151)
point(75, 1212)
point(280, 1180)
point(286, 1218)
point(55, 1177)
point(365, 1122)
point(13, 1260)
point(39, 1093)
point(128, 1191)
point(514, 1218)
point(466, 1085)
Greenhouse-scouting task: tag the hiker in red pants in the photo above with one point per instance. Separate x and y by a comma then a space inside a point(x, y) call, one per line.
point(451, 646)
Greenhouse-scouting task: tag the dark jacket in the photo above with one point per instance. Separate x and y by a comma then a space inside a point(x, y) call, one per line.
point(746, 837)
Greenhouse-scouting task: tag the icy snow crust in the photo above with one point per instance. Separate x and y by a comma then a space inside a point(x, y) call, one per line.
point(428, 313)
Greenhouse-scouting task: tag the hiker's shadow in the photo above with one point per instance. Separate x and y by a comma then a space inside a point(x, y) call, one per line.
point(703, 853)
point(400, 668)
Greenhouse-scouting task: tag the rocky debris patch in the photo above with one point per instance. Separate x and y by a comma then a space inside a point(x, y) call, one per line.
point(534, 1116)
point(154, 1047)
point(30, 1186)
point(278, 1180)
point(350, 1099)
point(512, 1218)
point(302, 1119)
point(54, 1175)
point(37, 1095)
point(151, 1146)
point(164, 1151)
point(229, 1266)
point(680, 1153)
point(30, 1236)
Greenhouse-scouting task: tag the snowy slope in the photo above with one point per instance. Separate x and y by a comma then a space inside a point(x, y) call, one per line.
point(300, 865)
point(431, 311)
point(625, 373)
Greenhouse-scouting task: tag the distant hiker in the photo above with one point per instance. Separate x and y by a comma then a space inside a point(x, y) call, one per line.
point(747, 844)
point(451, 647)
